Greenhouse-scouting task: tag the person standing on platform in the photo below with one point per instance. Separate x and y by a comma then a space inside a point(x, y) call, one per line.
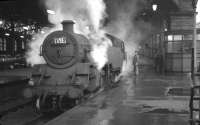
point(158, 63)
point(135, 64)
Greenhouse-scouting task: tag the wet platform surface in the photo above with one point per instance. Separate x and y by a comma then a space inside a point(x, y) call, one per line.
point(12, 85)
point(141, 100)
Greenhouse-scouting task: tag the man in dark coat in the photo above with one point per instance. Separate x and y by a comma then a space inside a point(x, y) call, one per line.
point(135, 64)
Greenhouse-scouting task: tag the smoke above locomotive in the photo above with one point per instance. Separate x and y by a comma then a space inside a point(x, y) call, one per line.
point(93, 19)
point(88, 16)
point(81, 58)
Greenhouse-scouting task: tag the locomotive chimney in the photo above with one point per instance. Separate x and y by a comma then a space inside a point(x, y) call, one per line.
point(68, 26)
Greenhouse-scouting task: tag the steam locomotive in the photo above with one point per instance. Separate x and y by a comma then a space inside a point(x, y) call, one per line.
point(69, 75)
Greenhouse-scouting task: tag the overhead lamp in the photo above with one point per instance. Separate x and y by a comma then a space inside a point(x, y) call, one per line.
point(51, 12)
point(25, 27)
point(42, 32)
point(22, 36)
point(1, 22)
point(154, 6)
point(170, 37)
point(7, 34)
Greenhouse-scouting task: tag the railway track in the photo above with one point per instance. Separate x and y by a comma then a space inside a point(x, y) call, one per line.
point(25, 115)
point(42, 119)
point(20, 112)
point(10, 107)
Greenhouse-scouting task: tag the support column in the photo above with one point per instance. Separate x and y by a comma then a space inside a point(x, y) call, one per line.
point(194, 60)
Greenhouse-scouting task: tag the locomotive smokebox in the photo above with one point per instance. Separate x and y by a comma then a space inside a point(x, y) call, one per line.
point(68, 26)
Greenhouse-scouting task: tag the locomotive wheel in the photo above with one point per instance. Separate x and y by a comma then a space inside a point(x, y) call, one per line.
point(101, 81)
point(113, 76)
point(66, 103)
point(110, 76)
point(38, 104)
point(45, 104)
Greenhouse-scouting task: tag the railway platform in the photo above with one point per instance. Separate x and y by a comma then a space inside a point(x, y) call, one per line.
point(12, 85)
point(146, 99)
point(12, 82)
point(23, 72)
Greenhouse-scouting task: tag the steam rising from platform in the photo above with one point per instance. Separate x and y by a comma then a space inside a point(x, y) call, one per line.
point(122, 23)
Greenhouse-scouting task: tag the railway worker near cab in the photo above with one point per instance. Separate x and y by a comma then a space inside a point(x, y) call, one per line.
point(135, 64)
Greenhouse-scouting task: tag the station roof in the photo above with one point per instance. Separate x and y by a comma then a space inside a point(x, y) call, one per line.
point(23, 10)
point(33, 9)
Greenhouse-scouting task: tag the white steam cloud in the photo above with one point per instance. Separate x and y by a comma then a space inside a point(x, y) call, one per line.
point(33, 55)
point(122, 23)
point(88, 16)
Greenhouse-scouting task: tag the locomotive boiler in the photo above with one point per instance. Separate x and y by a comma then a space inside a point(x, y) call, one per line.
point(69, 75)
